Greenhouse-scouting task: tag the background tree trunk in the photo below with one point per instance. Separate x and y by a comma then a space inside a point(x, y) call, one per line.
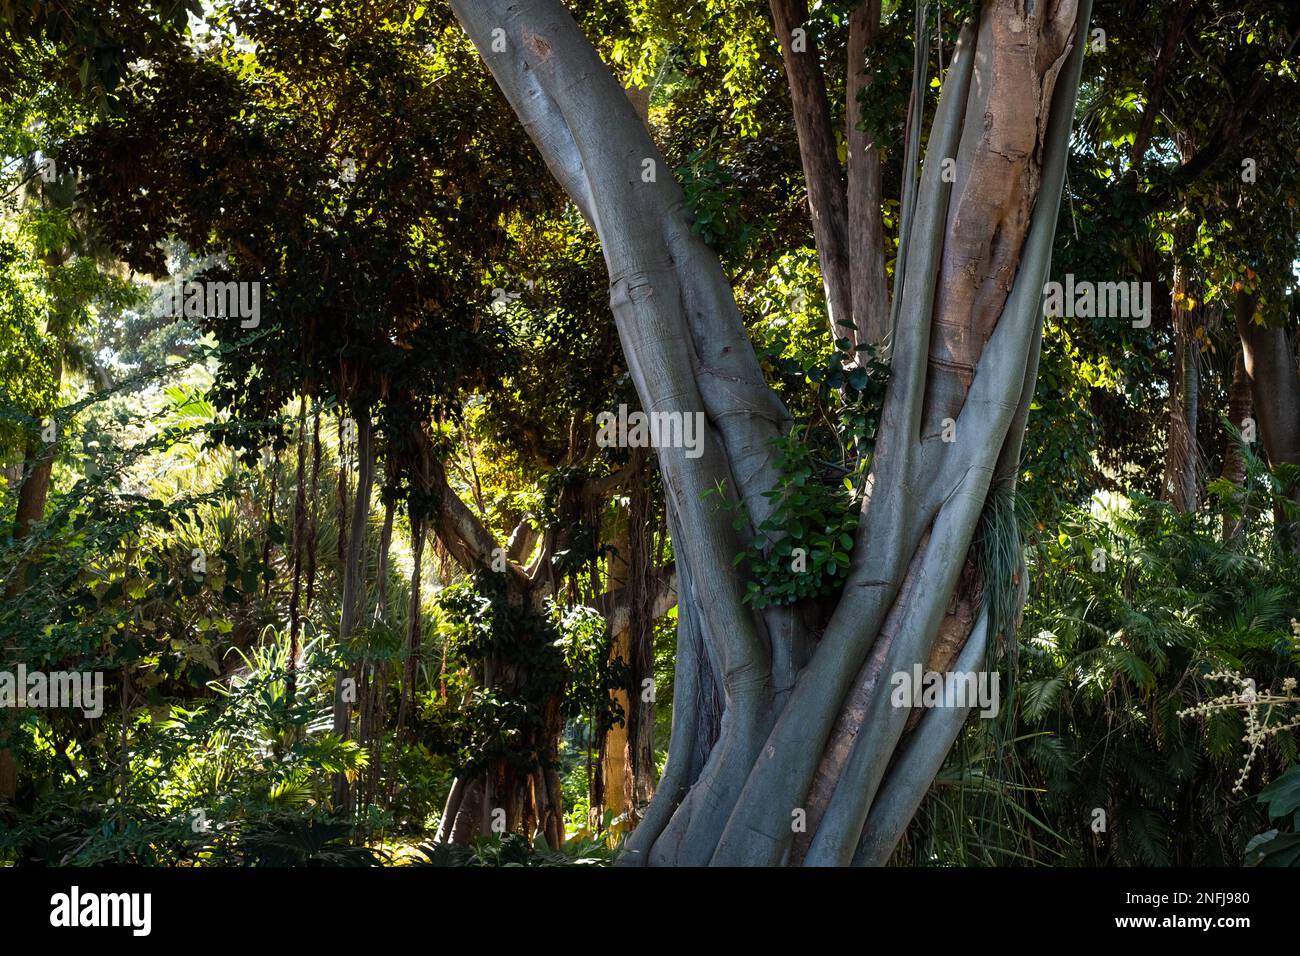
point(870, 294)
point(1270, 361)
point(38, 465)
point(1182, 450)
point(821, 166)
point(354, 584)
point(1234, 461)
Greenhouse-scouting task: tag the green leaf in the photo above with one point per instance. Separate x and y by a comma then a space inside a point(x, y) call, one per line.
point(1283, 849)
point(1283, 794)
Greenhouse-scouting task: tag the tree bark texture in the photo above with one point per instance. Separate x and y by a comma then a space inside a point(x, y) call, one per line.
point(965, 347)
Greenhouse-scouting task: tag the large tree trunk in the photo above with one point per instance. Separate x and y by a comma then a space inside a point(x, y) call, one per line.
point(977, 256)
point(530, 797)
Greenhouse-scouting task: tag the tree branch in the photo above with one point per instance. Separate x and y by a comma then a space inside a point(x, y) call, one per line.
point(1235, 127)
point(1156, 86)
point(616, 605)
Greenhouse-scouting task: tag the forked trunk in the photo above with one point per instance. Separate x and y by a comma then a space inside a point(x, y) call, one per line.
point(963, 359)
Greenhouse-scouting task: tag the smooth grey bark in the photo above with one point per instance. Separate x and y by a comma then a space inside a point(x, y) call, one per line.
point(686, 347)
point(688, 352)
point(915, 768)
point(455, 797)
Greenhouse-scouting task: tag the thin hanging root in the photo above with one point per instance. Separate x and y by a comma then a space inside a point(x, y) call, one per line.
point(920, 622)
point(916, 763)
point(911, 341)
point(853, 715)
point(676, 779)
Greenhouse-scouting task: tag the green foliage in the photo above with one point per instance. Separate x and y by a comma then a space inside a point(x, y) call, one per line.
point(421, 269)
point(512, 849)
point(1276, 847)
point(1110, 653)
point(560, 656)
point(237, 779)
point(803, 549)
point(716, 216)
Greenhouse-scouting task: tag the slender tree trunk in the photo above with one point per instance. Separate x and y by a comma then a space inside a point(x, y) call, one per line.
point(1182, 450)
point(354, 567)
point(299, 536)
point(1234, 461)
point(615, 771)
point(641, 623)
point(312, 517)
point(628, 752)
point(412, 657)
point(341, 497)
point(1156, 88)
point(8, 765)
point(30, 509)
point(373, 676)
point(381, 577)
point(866, 228)
point(821, 166)
point(268, 544)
